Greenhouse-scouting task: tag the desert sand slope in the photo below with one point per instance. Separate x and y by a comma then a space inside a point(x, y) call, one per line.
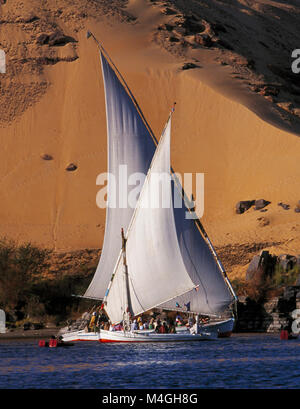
point(52, 103)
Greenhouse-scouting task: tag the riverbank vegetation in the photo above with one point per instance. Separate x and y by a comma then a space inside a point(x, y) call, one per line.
point(29, 293)
point(37, 285)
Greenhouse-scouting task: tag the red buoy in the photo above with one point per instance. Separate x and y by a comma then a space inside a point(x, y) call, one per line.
point(284, 335)
point(53, 343)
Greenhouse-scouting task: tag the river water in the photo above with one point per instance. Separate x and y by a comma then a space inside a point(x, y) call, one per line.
point(242, 361)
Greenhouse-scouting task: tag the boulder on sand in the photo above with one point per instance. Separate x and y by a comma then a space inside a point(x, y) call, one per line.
point(59, 38)
point(287, 261)
point(244, 205)
point(264, 261)
point(71, 167)
point(260, 204)
point(204, 40)
point(284, 205)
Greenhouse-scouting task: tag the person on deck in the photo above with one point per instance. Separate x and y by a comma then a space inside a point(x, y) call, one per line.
point(178, 321)
point(140, 323)
point(165, 326)
point(151, 323)
point(92, 323)
point(134, 326)
point(172, 328)
point(163, 329)
point(157, 325)
point(191, 322)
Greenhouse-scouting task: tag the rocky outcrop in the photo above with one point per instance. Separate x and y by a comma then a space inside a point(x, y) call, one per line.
point(287, 261)
point(260, 204)
point(56, 38)
point(271, 316)
point(269, 91)
point(284, 205)
point(267, 263)
point(244, 205)
point(168, 11)
point(264, 262)
point(268, 275)
point(189, 65)
point(192, 25)
point(59, 38)
point(204, 40)
point(42, 39)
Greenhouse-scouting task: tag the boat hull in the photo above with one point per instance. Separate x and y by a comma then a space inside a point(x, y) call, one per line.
point(80, 336)
point(151, 336)
point(223, 329)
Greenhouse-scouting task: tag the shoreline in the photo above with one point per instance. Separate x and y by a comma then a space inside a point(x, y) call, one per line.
point(18, 334)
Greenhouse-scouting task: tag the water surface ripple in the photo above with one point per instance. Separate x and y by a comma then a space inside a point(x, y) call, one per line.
point(242, 361)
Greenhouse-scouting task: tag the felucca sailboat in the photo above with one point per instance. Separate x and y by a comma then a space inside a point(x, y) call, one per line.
point(162, 259)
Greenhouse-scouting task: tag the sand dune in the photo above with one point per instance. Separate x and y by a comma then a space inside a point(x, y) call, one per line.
point(52, 102)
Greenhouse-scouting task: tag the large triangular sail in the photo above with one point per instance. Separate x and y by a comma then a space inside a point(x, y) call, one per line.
point(130, 143)
point(156, 268)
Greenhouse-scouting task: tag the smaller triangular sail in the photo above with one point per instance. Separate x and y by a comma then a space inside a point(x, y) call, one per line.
point(212, 294)
point(155, 266)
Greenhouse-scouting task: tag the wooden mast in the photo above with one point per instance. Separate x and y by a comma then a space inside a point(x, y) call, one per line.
point(126, 314)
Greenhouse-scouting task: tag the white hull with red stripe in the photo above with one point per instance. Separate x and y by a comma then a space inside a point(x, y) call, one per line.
point(152, 336)
point(222, 329)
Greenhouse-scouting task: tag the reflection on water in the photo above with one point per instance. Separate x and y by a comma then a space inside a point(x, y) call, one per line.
point(242, 361)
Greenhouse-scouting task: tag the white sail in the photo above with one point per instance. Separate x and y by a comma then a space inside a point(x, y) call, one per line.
point(129, 143)
point(212, 294)
point(156, 268)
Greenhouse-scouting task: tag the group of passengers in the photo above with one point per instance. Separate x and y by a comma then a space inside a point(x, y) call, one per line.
point(165, 326)
point(162, 327)
point(98, 321)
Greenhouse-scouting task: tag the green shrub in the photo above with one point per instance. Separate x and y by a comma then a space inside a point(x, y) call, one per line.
point(18, 267)
point(282, 278)
point(26, 292)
